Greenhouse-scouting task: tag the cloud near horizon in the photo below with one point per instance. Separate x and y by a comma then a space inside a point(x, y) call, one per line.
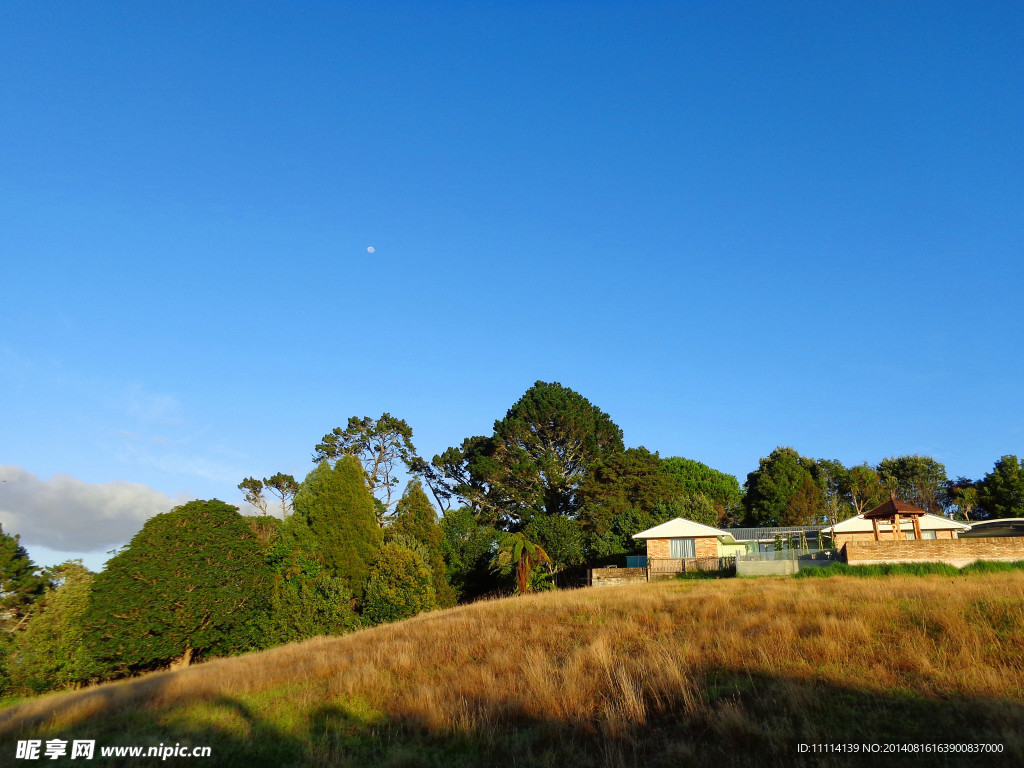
point(71, 515)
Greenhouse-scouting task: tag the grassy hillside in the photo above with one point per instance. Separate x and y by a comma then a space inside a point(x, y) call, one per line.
point(723, 673)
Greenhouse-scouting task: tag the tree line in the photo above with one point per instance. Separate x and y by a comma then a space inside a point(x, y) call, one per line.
point(552, 488)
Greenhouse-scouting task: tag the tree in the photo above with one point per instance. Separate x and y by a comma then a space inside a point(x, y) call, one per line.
point(833, 481)
point(534, 461)
point(519, 553)
point(722, 489)
point(1001, 491)
point(50, 654)
point(416, 519)
point(21, 583)
point(191, 584)
point(560, 537)
point(863, 486)
point(772, 486)
point(467, 546)
point(805, 506)
point(306, 601)
point(280, 485)
point(915, 479)
point(400, 585)
point(383, 447)
point(626, 480)
point(335, 505)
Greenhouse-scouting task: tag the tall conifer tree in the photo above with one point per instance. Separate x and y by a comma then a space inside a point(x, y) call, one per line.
point(336, 506)
point(415, 518)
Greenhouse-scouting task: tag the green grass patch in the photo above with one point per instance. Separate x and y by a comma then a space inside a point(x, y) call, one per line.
point(721, 573)
point(909, 569)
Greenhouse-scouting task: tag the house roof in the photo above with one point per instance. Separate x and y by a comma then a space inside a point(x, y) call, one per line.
point(927, 521)
point(768, 533)
point(1004, 526)
point(677, 529)
point(891, 507)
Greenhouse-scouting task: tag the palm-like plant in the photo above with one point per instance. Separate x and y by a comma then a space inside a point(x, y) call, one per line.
point(516, 551)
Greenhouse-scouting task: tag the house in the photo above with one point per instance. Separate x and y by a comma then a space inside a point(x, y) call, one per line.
point(681, 538)
point(902, 517)
point(995, 529)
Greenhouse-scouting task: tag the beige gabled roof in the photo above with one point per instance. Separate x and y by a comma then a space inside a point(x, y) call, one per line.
point(928, 522)
point(677, 529)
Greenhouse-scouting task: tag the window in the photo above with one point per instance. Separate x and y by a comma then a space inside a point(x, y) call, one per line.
point(928, 535)
point(682, 548)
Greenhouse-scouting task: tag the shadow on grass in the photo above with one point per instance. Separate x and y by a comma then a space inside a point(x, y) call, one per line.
point(740, 720)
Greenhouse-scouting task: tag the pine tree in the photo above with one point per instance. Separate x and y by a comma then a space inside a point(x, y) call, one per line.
point(416, 519)
point(339, 512)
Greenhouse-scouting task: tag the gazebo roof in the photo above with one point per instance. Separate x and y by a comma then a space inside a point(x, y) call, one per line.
point(889, 509)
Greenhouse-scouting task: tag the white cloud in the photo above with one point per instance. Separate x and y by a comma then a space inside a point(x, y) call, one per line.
point(67, 514)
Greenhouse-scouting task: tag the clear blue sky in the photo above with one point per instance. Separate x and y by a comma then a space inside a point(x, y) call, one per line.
point(730, 225)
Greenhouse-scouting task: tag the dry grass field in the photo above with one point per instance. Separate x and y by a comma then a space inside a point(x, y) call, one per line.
point(721, 673)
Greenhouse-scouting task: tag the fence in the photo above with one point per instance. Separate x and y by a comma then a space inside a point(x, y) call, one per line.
point(658, 566)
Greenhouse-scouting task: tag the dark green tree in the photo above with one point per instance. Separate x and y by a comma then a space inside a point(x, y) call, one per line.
point(1001, 491)
point(400, 586)
point(620, 482)
point(915, 479)
point(561, 538)
point(535, 460)
point(833, 481)
point(772, 486)
point(467, 545)
point(337, 508)
point(697, 478)
point(21, 583)
point(416, 519)
point(517, 554)
point(384, 448)
point(192, 584)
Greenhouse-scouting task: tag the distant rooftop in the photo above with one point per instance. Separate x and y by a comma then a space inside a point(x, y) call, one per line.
point(769, 533)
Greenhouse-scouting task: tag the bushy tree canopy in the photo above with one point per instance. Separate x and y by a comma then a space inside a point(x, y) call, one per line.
point(21, 582)
point(192, 583)
point(536, 458)
point(416, 519)
point(1001, 491)
point(916, 479)
point(337, 508)
point(772, 488)
point(400, 586)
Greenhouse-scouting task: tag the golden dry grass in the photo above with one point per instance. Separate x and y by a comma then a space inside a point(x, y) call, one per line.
point(730, 672)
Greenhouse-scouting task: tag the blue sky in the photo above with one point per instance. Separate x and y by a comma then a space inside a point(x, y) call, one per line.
point(730, 225)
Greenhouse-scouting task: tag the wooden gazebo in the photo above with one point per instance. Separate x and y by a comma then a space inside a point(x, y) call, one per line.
point(892, 510)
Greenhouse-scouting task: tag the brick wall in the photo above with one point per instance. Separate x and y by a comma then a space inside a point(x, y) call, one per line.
point(704, 546)
point(658, 548)
point(958, 552)
point(844, 538)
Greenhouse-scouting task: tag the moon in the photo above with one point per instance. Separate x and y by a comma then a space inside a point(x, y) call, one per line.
point(371, 249)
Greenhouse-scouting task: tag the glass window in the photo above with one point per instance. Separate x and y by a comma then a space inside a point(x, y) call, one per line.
point(682, 548)
point(928, 535)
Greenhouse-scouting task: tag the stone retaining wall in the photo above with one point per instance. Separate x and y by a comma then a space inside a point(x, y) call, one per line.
point(613, 577)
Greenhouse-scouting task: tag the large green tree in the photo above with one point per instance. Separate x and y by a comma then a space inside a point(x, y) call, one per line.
point(191, 584)
point(416, 519)
point(915, 479)
point(862, 486)
point(1001, 491)
point(698, 479)
point(772, 488)
point(534, 461)
point(337, 508)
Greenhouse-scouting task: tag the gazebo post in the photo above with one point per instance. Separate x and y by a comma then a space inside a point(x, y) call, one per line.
point(897, 534)
point(917, 527)
point(874, 524)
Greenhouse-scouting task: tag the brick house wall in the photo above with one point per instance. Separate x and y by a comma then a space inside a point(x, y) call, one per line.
point(703, 546)
point(958, 552)
point(844, 538)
